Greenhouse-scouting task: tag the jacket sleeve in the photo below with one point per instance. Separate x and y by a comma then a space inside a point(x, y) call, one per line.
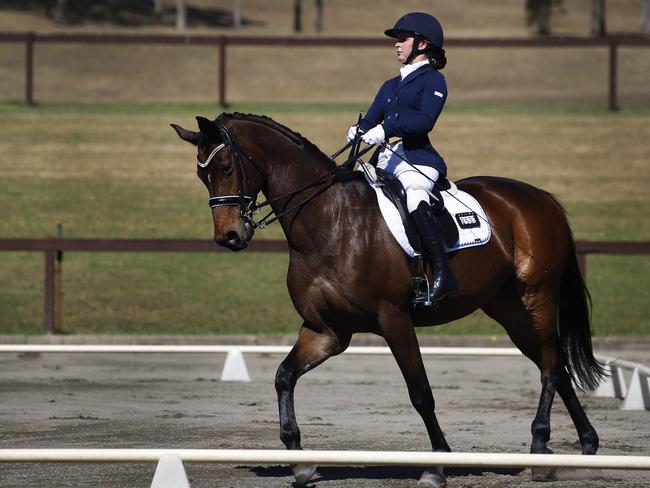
point(375, 113)
point(433, 100)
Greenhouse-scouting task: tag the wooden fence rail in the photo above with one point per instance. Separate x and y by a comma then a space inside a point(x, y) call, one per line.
point(29, 39)
point(54, 247)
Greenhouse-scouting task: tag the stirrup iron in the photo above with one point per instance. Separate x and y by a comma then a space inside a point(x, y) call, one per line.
point(421, 291)
point(421, 285)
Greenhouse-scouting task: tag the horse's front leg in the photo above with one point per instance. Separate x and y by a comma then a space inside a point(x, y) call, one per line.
point(400, 336)
point(310, 350)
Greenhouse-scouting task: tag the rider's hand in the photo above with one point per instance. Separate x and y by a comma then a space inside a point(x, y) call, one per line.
point(374, 136)
point(352, 133)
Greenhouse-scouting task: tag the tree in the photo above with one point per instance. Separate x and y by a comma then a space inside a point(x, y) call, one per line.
point(318, 15)
point(598, 18)
point(181, 15)
point(297, 15)
point(236, 14)
point(58, 12)
point(539, 12)
point(157, 8)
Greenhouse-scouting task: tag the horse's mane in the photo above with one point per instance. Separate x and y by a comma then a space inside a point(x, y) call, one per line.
point(294, 137)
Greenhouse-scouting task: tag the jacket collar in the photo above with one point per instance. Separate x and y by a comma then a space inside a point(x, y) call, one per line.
point(412, 76)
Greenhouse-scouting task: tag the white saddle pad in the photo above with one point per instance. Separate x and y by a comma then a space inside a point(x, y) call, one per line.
point(468, 215)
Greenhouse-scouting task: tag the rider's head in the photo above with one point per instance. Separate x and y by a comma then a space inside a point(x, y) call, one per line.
point(427, 35)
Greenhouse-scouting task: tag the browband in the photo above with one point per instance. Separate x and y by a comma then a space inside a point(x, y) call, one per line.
point(212, 154)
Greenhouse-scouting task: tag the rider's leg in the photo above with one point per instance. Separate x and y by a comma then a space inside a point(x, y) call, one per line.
point(418, 183)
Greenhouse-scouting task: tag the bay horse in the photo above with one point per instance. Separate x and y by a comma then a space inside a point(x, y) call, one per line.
point(347, 274)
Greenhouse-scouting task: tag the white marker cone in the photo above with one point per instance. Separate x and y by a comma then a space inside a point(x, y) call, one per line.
point(235, 368)
point(614, 385)
point(170, 473)
point(638, 396)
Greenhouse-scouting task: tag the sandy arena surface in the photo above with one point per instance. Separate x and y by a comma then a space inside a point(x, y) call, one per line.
point(350, 402)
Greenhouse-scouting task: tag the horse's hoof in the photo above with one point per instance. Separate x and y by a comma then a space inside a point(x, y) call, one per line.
point(303, 473)
point(543, 474)
point(432, 480)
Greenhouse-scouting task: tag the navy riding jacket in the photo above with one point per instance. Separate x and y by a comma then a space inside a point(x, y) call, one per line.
point(409, 109)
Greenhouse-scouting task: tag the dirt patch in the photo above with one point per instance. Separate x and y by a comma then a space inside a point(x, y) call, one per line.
point(155, 401)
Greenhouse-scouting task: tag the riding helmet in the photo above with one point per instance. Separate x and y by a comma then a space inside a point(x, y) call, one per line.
point(420, 24)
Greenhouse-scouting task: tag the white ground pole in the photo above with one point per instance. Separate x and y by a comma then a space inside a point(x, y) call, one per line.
point(322, 458)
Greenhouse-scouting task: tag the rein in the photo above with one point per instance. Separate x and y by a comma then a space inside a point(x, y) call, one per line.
point(248, 204)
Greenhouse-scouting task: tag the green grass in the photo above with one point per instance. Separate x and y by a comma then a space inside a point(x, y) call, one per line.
point(118, 170)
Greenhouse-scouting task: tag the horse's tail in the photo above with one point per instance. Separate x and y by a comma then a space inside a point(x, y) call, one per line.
point(575, 326)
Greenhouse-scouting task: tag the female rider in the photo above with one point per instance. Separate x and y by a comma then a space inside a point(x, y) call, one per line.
point(408, 106)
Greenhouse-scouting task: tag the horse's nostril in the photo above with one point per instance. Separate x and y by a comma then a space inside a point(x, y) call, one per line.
point(231, 236)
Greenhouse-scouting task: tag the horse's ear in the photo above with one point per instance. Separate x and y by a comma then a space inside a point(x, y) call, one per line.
point(187, 135)
point(208, 127)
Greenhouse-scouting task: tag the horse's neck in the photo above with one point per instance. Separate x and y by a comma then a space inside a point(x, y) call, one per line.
point(291, 172)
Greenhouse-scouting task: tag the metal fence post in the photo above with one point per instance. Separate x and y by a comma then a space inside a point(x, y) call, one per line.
point(58, 285)
point(29, 68)
point(48, 291)
point(223, 41)
point(613, 71)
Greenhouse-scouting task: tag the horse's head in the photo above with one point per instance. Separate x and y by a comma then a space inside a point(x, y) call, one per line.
point(221, 165)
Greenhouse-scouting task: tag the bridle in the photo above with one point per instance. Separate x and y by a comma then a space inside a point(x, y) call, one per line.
point(247, 204)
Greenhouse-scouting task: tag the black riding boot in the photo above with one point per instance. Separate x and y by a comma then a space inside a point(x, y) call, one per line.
point(443, 282)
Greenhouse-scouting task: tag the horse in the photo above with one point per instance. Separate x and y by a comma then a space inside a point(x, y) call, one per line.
point(347, 274)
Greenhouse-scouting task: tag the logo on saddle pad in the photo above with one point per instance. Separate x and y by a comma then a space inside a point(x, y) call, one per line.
point(467, 220)
point(463, 222)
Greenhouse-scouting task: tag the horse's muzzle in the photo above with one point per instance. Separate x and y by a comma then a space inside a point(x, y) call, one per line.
point(233, 240)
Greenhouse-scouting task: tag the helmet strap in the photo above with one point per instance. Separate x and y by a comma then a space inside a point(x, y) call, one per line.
point(415, 50)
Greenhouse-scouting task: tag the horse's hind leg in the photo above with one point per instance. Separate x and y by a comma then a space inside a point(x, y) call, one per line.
point(531, 326)
point(586, 433)
point(533, 332)
point(310, 350)
point(400, 336)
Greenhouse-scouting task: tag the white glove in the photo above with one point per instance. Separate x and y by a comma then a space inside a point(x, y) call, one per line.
point(374, 136)
point(352, 133)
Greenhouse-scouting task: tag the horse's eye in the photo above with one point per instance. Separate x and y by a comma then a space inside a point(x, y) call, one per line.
point(225, 169)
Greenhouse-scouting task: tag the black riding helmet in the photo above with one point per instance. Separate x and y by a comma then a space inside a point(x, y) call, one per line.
point(423, 27)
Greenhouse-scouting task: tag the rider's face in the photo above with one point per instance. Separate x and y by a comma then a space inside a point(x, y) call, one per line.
point(403, 47)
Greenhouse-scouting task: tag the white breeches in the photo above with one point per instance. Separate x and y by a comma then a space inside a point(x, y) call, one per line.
point(418, 182)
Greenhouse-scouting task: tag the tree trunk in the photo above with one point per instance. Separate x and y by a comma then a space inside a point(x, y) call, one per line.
point(58, 12)
point(645, 12)
point(157, 8)
point(236, 14)
point(297, 16)
point(544, 19)
point(318, 15)
point(181, 15)
point(598, 27)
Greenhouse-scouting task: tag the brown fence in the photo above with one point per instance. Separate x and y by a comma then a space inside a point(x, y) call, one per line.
point(54, 247)
point(222, 42)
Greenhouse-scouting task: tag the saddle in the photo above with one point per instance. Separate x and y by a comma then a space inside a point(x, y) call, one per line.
point(394, 191)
